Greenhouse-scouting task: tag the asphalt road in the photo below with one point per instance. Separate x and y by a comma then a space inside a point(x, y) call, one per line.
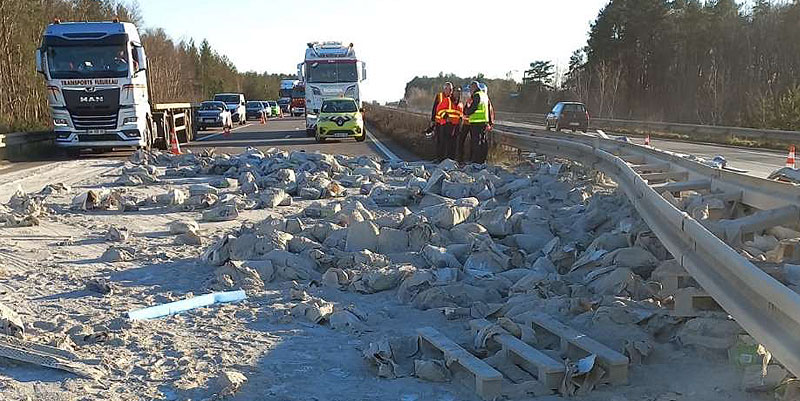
point(286, 133)
point(754, 161)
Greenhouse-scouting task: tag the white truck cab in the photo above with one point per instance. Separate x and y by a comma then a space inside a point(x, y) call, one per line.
point(329, 70)
point(236, 105)
point(96, 85)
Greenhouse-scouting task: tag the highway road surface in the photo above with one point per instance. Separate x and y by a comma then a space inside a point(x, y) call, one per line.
point(754, 161)
point(286, 133)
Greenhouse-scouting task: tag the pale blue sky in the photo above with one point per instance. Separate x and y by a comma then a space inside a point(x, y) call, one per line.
point(397, 39)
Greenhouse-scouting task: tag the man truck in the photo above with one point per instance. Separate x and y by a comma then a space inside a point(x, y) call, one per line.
point(97, 89)
point(329, 70)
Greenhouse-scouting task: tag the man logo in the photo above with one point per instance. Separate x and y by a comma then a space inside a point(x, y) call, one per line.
point(90, 89)
point(91, 99)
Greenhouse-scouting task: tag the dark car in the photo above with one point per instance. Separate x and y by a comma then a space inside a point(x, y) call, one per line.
point(255, 110)
point(569, 115)
point(284, 103)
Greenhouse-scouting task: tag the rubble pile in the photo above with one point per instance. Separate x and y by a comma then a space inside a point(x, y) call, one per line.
point(314, 240)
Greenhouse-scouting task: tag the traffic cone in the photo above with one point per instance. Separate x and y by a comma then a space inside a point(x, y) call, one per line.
point(790, 158)
point(647, 140)
point(175, 147)
point(262, 119)
point(226, 131)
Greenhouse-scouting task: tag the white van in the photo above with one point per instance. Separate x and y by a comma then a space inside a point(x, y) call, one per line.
point(236, 105)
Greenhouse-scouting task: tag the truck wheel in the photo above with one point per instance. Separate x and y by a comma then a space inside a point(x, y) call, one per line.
point(558, 126)
point(547, 126)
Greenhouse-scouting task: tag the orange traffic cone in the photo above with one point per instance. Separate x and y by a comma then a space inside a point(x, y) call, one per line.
point(790, 158)
point(175, 147)
point(262, 119)
point(647, 140)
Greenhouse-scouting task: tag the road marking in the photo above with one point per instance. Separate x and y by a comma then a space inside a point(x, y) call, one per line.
point(389, 154)
point(205, 138)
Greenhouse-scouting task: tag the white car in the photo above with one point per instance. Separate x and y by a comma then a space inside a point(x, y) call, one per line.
point(213, 114)
point(236, 105)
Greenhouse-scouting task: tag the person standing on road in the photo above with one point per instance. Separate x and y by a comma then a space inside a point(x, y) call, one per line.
point(441, 104)
point(455, 121)
point(480, 121)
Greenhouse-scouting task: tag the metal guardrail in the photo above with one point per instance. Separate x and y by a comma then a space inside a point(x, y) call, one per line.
point(23, 138)
point(722, 132)
point(764, 307)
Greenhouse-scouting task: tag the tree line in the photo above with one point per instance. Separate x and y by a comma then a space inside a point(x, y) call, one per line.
point(719, 62)
point(179, 71)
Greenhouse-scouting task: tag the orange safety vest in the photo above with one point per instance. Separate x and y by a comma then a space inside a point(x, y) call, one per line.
point(447, 111)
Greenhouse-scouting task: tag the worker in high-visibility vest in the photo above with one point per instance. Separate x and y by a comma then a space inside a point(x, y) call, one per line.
point(442, 104)
point(479, 115)
point(455, 118)
point(447, 120)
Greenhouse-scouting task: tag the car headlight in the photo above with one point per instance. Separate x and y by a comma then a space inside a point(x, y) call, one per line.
point(60, 122)
point(130, 120)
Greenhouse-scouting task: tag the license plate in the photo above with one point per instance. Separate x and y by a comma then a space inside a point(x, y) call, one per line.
point(574, 124)
point(340, 135)
point(96, 131)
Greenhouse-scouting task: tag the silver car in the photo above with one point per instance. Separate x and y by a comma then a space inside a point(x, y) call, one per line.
point(213, 114)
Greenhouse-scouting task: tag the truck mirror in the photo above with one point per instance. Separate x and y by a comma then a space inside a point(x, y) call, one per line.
point(363, 71)
point(39, 64)
point(141, 58)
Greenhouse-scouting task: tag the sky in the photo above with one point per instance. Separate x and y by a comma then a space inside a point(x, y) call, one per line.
point(397, 40)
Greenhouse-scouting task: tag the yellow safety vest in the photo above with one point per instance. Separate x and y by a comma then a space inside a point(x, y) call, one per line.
point(481, 114)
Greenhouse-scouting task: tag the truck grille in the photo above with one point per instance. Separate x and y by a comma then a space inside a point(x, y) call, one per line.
point(99, 137)
point(95, 122)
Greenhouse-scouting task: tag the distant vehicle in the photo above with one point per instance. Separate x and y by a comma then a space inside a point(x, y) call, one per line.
point(236, 105)
point(255, 110)
point(276, 110)
point(329, 70)
point(340, 118)
point(298, 104)
point(285, 93)
point(403, 104)
point(285, 103)
point(569, 115)
point(213, 114)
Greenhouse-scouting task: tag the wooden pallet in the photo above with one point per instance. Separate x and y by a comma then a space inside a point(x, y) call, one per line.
point(577, 345)
point(486, 381)
point(545, 369)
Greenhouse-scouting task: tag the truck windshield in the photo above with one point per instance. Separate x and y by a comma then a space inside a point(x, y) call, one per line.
point(329, 73)
point(299, 92)
point(285, 93)
point(87, 61)
point(234, 99)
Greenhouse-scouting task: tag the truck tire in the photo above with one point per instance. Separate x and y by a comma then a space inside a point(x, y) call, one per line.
point(310, 132)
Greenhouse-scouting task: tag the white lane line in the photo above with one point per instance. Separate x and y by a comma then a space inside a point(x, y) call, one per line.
point(205, 138)
point(389, 154)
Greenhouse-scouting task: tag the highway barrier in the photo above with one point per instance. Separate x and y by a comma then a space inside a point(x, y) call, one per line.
point(718, 134)
point(763, 306)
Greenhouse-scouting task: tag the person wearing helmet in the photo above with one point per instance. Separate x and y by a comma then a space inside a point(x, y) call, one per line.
point(445, 112)
point(479, 115)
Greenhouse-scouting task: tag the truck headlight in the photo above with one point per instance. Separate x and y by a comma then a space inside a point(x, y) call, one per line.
point(60, 122)
point(316, 91)
point(130, 120)
point(350, 92)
